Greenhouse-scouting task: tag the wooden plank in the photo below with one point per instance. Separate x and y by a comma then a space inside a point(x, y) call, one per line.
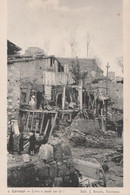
point(63, 98)
point(38, 111)
point(32, 121)
point(74, 86)
point(27, 121)
point(42, 123)
point(52, 127)
point(103, 125)
point(80, 94)
point(46, 126)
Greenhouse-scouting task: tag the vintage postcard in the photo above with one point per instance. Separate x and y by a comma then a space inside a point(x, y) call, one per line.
point(64, 97)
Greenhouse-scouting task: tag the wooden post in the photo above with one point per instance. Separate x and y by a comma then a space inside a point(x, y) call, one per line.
point(63, 98)
point(32, 121)
point(41, 123)
point(80, 94)
point(103, 124)
point(46, 126)
point(27, 122)
point(107, 66)
point(53, 124)
point(56, 98)
point(24, 121)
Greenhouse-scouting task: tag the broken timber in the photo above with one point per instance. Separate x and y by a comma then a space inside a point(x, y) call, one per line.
point(40, 121)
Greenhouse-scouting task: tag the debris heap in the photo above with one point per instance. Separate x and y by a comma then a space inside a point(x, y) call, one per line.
point(78, 135)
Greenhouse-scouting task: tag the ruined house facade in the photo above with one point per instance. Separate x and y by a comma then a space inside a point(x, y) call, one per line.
point(26, 74)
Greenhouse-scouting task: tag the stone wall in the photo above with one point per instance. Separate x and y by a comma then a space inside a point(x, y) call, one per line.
point(13, 94)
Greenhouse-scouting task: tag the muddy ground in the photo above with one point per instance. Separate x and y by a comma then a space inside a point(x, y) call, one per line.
point(114, 175)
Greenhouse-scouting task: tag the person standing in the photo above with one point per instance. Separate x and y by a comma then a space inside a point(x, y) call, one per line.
point(119, 131)
point(21, 141)
point(11, 143)
point(58, 181)
point(32, 141)
point(74, 179)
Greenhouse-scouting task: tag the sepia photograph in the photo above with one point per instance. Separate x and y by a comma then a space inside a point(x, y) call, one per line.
point(65, 75)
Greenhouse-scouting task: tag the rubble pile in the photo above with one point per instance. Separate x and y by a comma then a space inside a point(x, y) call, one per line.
point(43, 171)
point(107, 134)
point(95, 139)
point(90, 140)
point(118, 156)
point(77, 137)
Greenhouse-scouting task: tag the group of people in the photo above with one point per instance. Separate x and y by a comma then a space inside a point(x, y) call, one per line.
point(32, 144)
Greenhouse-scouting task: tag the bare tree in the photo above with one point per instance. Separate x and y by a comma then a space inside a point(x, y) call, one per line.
point(88, 44)
point(73, 44)
point(119, 61)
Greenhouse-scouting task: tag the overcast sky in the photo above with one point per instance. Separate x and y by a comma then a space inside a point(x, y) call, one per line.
point(34, 22)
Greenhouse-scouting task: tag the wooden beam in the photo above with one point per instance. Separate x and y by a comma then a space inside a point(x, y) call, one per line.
point(63, 98)
point(41, 123)
point(46, 126)
point(103, 123)
point(32, 121)
point(24, 121)
point(28, 114)
point(80, 95)
point(52, 127)
point(38, 111)
point(74, 86)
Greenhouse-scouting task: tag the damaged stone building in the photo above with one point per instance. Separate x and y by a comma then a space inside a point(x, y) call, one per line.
point(40, 85)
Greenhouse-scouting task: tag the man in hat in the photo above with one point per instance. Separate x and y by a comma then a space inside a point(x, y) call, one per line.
point(11, 143)
point(119, 130)
point(74, 179)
